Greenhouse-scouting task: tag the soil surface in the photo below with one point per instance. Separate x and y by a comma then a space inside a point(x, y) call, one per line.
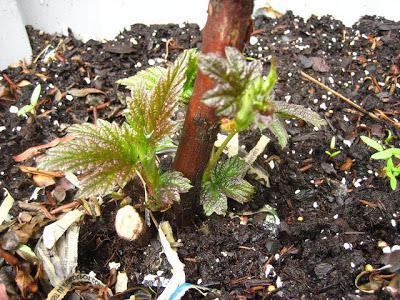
point(335, 212)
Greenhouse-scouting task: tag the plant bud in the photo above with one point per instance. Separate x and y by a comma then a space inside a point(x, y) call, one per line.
point(128, 223)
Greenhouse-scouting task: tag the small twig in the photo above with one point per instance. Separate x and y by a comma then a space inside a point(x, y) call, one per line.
point(65, 207)
point(94, 115)
point(167, 47)
point(305, 168)
point(345, 99)
point(99, 106)
point(385, 117)
point(9, 81)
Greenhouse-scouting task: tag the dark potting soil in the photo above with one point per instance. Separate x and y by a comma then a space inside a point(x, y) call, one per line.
point(327, 232)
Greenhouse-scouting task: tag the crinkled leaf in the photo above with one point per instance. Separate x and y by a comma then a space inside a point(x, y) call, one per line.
point(213, 200)
point(233, 167)
point(214, 66)
point(150, 111)
point(148, 78)
point(232, 75)
point(226, 181)
point(176, 180)
point(173, 183)
point(278, 130)
point(372, 143)
point(106, 154)
point(300, 112)
point(239, 190)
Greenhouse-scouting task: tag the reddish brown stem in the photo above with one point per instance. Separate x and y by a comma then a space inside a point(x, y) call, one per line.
point(228, 24)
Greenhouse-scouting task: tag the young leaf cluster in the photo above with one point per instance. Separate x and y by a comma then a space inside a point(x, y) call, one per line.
point(392, 170)
point(241, 97)
point(108, 155)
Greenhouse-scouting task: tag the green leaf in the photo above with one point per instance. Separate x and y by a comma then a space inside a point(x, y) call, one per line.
point(393, 182)
point(371, 143)
point(176, 180)
point(33, 102)
point(239, 190)
point(300, 112)
point(245, 114)
point(150, 111)
point(166, 145)
point(387, 153)
point(231, 168)
point(105, 154)
point(191, 73)
point(232, 75)
point(389, 167)
point(213, 200)
point(148, 78)
point(278, 130)
point(226, 181)
point(173, 183)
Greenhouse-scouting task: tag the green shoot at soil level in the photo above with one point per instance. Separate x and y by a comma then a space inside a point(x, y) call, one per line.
point(389, 154)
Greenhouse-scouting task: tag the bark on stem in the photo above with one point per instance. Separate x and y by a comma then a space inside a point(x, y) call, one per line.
point(228, 24)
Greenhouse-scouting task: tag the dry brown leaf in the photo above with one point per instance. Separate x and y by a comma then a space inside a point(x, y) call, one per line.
point(41, 76)
point(346, 165)
point(36, 171)
point(38, 207)
point(25, 282)
point(4, 91)
point(24, 217)
point(23, 83)
point(84, 92)
point(36, 149)
point(43, 180)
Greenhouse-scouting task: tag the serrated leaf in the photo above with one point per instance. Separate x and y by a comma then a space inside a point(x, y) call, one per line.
point(278, 130)
point(232, 75)
point(239, 190)
point(226, 181)
point(191, 73)
point(176, 180)
point(172, 184)
point(148, 78)
point(214, 66)
point(300, 112)
point(106, 154)
point(213, 200)
point(150, 111)
point(372, 143)
point(231, 168)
